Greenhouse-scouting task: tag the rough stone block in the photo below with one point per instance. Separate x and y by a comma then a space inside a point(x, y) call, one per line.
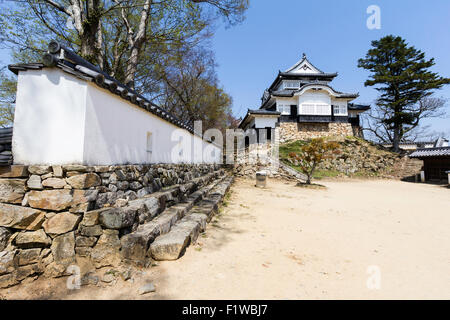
point(18, 217)
point(5, 233)
point(8, 280)
point(8, 261)
point(12, 190)
point(55, 183)
point(117, 218)
point(34, 182)
point(32, 239)
point(75, 167)
point(106, 251)
point(56, 200)
point(14, 171)
point(82, 241)
point(39, 170)
point(28, 256)
point(91, 231)
point(169, 246)
point(84, 181)
point(58, 171)
point(83, 251)
point(63, 249)
point(28, 270)
point(61, 223)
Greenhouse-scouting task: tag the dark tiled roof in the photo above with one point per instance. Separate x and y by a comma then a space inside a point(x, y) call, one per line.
point(73, 64)
point(257, 112)
point(290, 93)
point(431, 152)
point(293, 76)
point(354, 106)
point(5, 146)
point(307, 75)
point(264, 112)
point(410, 143)
point(284, 93)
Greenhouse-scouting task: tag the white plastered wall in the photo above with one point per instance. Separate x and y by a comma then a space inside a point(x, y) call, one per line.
point(61, 119)
point(265, 122)
point(49, 118)
point(313, 98)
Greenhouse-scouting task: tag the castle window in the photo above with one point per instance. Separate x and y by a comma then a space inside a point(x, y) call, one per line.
point(308, 108)
point(149, 146)
point(340, 110)
point(322, 109)
point(285, 109)
point(290, 84)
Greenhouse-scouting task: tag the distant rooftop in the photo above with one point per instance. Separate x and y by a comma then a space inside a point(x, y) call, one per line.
point(431, 152)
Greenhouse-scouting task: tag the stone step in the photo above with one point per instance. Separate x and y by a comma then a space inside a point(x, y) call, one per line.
point(134, 245)
point(171, 246)
point(145, 209)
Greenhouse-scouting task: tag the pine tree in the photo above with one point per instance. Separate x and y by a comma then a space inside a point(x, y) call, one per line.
point(401, 74)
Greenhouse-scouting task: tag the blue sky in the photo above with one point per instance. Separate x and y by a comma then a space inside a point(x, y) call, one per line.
point(334, 36)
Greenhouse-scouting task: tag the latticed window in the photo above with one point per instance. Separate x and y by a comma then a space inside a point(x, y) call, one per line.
point(322, 109)
point(340, 110)
point(285, 109)
point(308, 108)
point(291, 84)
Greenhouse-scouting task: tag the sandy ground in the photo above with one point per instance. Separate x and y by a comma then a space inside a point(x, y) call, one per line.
point(286, 242)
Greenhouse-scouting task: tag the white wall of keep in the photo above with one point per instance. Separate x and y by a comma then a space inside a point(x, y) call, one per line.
point(49, 118)
point(284, 104)
point(312, 98)
point(63, 120)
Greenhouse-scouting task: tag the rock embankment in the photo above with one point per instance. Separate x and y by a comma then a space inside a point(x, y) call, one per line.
point(50, 217)
point(358, 157)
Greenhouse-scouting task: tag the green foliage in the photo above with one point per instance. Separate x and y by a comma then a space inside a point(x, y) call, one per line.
point(400, 73)
point(139, 42)
point(7, 97)
point(311, 154)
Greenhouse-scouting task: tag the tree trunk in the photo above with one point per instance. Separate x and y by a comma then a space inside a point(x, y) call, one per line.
point(136, 43)
point(132, 67)
point(91, 33)
point(308, 179)
point(396, 139)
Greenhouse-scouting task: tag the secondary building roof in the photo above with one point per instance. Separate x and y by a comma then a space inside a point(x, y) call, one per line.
point(262, 112)
point(431, 152)
point(362, 107)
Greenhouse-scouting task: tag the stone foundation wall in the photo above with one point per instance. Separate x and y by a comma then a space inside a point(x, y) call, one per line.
point(50, 214)
point(302, 131)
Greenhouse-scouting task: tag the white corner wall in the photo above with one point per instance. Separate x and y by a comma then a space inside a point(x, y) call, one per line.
point(265, 122)
point(49, 118)
point(63, 120)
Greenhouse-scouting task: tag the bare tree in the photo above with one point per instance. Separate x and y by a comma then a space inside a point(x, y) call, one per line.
point(429, 107)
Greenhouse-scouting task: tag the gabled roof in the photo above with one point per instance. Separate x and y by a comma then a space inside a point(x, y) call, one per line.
point(431, 152)
point(69, 62)
point(262, 112)
point(305, 67)
point(314, 86)
point(303, 70)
